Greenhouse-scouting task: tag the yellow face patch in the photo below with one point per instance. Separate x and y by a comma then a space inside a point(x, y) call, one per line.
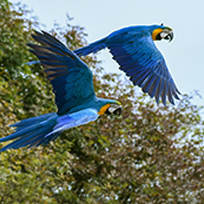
point(156, 32)
point(103, 109)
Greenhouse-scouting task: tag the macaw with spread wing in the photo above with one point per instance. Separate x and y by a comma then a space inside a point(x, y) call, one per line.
point(134, 50)
point(72, 82)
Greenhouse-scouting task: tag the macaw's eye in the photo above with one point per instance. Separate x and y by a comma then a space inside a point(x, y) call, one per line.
point(114, 109)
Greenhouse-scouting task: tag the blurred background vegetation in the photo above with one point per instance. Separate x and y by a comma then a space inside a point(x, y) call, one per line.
point(150, 154)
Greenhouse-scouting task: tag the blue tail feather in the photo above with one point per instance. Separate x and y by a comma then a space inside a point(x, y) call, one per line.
point(32, 132)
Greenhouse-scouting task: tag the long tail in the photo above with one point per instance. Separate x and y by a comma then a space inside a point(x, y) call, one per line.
point(92, 48)
point(32, 132)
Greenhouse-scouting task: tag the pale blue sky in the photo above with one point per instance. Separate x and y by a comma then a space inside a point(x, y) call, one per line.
point(184, 55)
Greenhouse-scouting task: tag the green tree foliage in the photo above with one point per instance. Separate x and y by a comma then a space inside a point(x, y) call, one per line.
point(151, 154)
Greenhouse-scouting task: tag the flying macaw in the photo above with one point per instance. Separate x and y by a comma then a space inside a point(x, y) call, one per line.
point(72, 82)
point(134, 50)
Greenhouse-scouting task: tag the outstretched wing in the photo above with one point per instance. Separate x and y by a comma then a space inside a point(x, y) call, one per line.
point(71, 78)
point(140, 59)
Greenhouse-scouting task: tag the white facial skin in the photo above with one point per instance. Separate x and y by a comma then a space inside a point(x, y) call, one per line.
point(113, 108)
point(165, 34)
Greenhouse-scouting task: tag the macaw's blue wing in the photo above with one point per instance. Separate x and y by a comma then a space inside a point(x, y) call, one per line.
point(143, 62)
point(71, 78)
point(140, 59)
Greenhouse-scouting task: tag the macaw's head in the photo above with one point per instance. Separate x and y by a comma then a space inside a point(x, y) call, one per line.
point(110, 107)
point(114, 109)
point(160, 32)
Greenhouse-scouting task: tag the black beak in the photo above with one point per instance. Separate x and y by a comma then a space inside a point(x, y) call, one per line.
point(117, 111)
point(165, 34)
point(170, 36)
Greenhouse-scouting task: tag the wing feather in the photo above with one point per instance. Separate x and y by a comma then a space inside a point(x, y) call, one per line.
point(72, 80)
point(140, 59)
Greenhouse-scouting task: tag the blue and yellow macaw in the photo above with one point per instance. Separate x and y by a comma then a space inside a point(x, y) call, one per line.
point(72, 82)
point(134, 49)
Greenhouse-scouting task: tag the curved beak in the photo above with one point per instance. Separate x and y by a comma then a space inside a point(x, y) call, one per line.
point(114, 109)
point(167, 35)
point(118, 111)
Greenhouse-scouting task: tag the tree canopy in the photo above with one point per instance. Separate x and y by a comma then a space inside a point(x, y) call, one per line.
point(150, 154)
